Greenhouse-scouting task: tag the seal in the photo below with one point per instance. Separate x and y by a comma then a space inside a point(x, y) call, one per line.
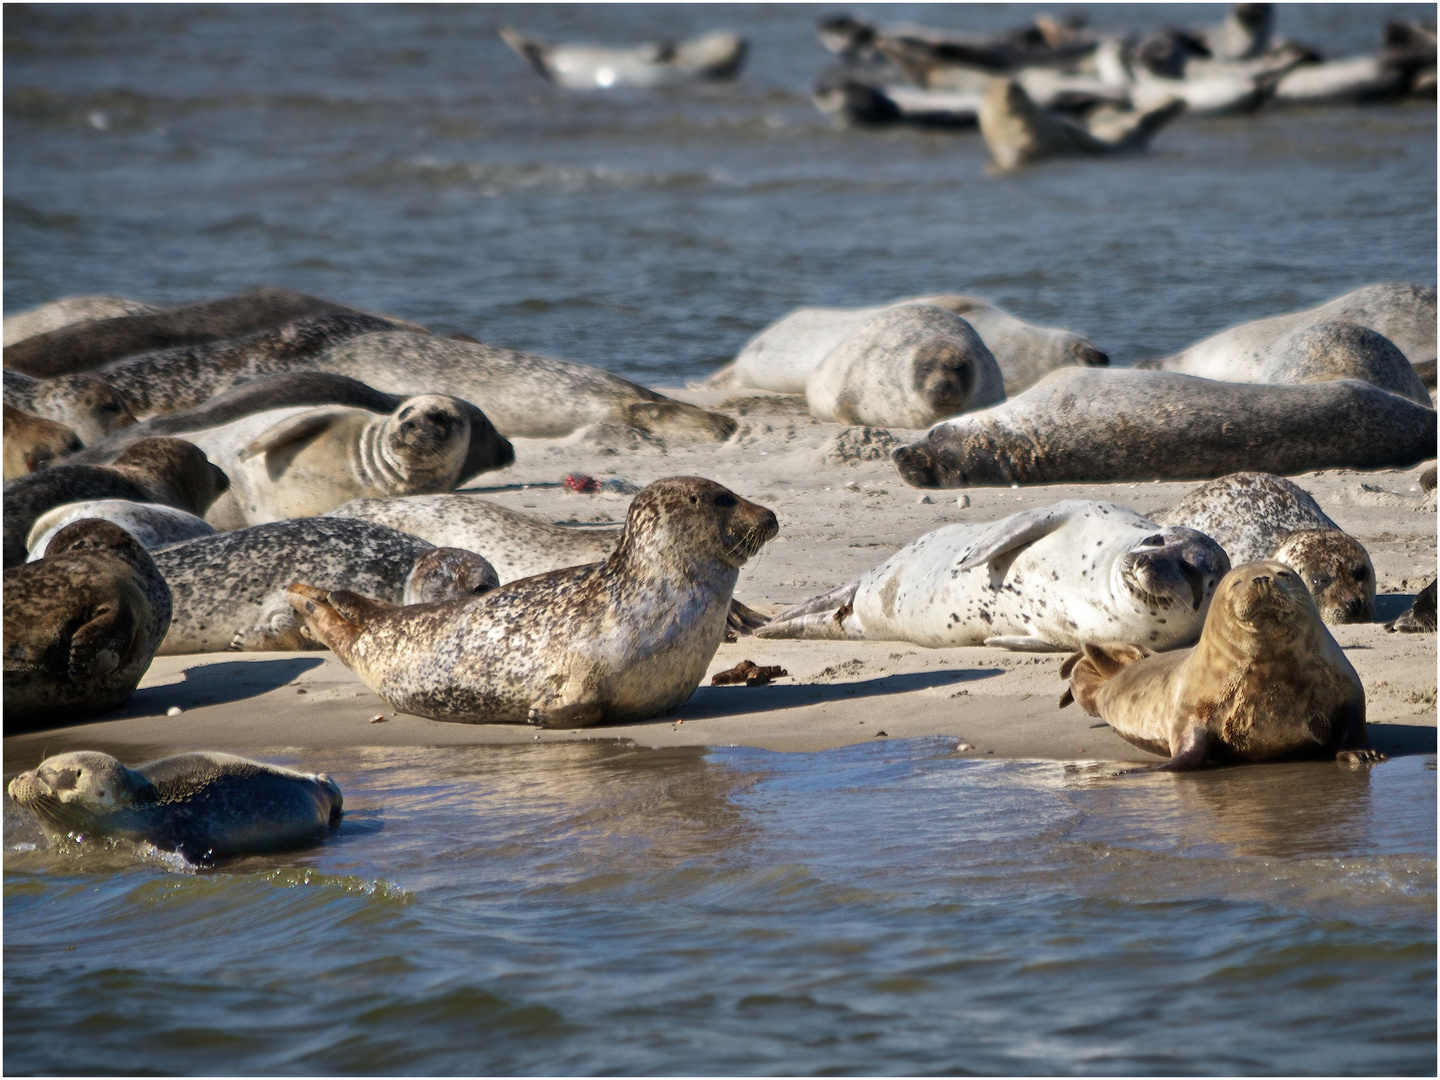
point(168, 471)
point(1420, 618)
point(626, 639)
point(81, 626)
point(288, 463)
point(906, 366)
point(1017, 132)
point(522, 394)
point(710, 57)
point(784, 354)
point(1102, 426)
point(86, 404)
point(33, 443)
point(1256, 516)
point(1343, 351)
point(153, 525)
point(85, 345)
point(1402, 313)
point(229, 589)
point(1041, 580)
point(202, 805)
point(1265, 681)
point(67, 311)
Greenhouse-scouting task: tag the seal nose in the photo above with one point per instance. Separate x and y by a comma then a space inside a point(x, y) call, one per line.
point(1093, 357)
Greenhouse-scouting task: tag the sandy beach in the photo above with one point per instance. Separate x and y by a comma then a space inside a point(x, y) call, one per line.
point(838, 518)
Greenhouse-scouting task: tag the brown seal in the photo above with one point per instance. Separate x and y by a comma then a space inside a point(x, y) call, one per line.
point(1265, 681)
point(33, 443)
point(624, 639)
point(166, 471)
point(81, 625)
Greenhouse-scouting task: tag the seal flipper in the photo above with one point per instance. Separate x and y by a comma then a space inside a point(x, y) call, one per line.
point(821, 617)
point(1013, 533)
point(1194, 748)
point(1021, 644)
point(1354, 741)
point(306, 425)
point(581, 714)
point(1094, 666)
point(744, 620)
point(335, 618)
point(103, 644)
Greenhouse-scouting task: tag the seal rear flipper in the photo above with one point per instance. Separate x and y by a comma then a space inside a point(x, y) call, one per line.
point(822, 617)
point(530, 49)
point(327, 622)
point(744, 620)
point(1094, 666)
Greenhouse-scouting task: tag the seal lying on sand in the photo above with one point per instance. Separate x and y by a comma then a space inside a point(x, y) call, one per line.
point(1403, 313)
point(1018, 132)
point(1038, 581)
point(86, 404)
point(152, 525)
point(66, 312)
point(712, 56)
point(1102, 426)
point(1265, 681)
point(625, 639)
point(81, 626)
point(1256, 516)
point(203, 805)
point(783, 356)
point(168, 471)
point(229, 589)
point(33, 443)
point(1420, 619)
point(1343, 351)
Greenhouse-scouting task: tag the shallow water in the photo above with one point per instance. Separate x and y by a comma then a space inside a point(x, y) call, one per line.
point(886, 908)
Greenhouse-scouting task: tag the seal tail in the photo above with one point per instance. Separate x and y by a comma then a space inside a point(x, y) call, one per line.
point(1094, 666)
point(337, 617)
point(823, 617)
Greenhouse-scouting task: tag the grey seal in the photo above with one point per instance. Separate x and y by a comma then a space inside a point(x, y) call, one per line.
point(1101, 426)
point(168, 471)
point(67, 311)
point(86, 404)
point(712, 56)
point(153, 525)
point(1038, 581)
point(229, 589)
point(1265, 681)
point(1343, 351)
point(202, 805)
point(1017, 132)
point(1419, 618)
point(33, 443)
point(625, 639)
point(81, 626)
point(1256, 516)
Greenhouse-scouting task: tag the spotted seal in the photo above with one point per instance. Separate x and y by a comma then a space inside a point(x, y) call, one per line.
point(153, 525)
point(168, 471)
point(81, 626)
point(33, 443)
point(1343, 351)
point(1256, 516)
point(86, 404)
point(229, 589)
point(67, 311)
point(625, 639)
point(1038, 581)
point(717, 55)
point(1017, 132)
point(202, 805)
point(1098, 426)
point(1265, 681)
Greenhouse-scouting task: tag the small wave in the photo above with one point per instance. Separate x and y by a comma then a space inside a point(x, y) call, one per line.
point(495, 178)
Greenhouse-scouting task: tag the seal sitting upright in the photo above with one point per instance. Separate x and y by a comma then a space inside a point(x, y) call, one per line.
point(1265, 681)
point(203, 805)
point(625, 639)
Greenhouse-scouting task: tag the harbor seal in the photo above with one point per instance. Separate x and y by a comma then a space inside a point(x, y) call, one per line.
point(712, 56)
point(67, 311)
point(626, 639)
point(229, 589)
point(1343, 351)
point(168, 471)
point(1041, 580)
point(151, 524)
point(202, 805)
point(1102, 426)
point(1256, 516)
point(33, 443)
point(1403, 313)
point(86, 404)
point(782, 356)
point(81, 626)
point(522, 394)
point(1017, 132)
point(1265, 681)
point(289, 463)
point(906, 366)
point(1419, 618)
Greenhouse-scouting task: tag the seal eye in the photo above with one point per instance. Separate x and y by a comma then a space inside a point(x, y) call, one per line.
point(1153, 541)
point(1359, 573)
point(726, 500)
point(694, 500)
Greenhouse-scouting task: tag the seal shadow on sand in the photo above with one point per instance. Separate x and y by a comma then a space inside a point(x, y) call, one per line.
point(1392, 605)
point(713, 702)
point(215, 684)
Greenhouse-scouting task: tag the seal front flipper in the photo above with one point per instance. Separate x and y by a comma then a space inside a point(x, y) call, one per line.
point(1354, 740)
point(296, 429)
point(823, 617)
point(1021, 644)
point(581, 714)
point(103, 644)
point(1017, 531)
point(1193, 748)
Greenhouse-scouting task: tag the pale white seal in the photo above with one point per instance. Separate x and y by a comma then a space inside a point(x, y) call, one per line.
point(67, 311)
point(717, 55)
point(152, 524)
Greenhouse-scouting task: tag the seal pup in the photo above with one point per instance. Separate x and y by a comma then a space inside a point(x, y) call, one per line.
point(33, 443)
point(905, 366)
point(81, 626)
point(289, 463)
point(1086, 425)
point(1038, 581)
point(1256, 516)
point(67, 311)
point(625, 639)
point(86, 404)
point(1017, 132)
point(151, 524)
point(229, 589)
point(1265, 681)
point(1403, 313)
point(203, 805)
point(782, 356)
point(1343, 351)
point(168, 471)
point(713, 56)
point(1420, 618)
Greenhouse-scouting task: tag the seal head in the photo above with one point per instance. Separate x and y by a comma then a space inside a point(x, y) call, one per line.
point(1337, 569)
